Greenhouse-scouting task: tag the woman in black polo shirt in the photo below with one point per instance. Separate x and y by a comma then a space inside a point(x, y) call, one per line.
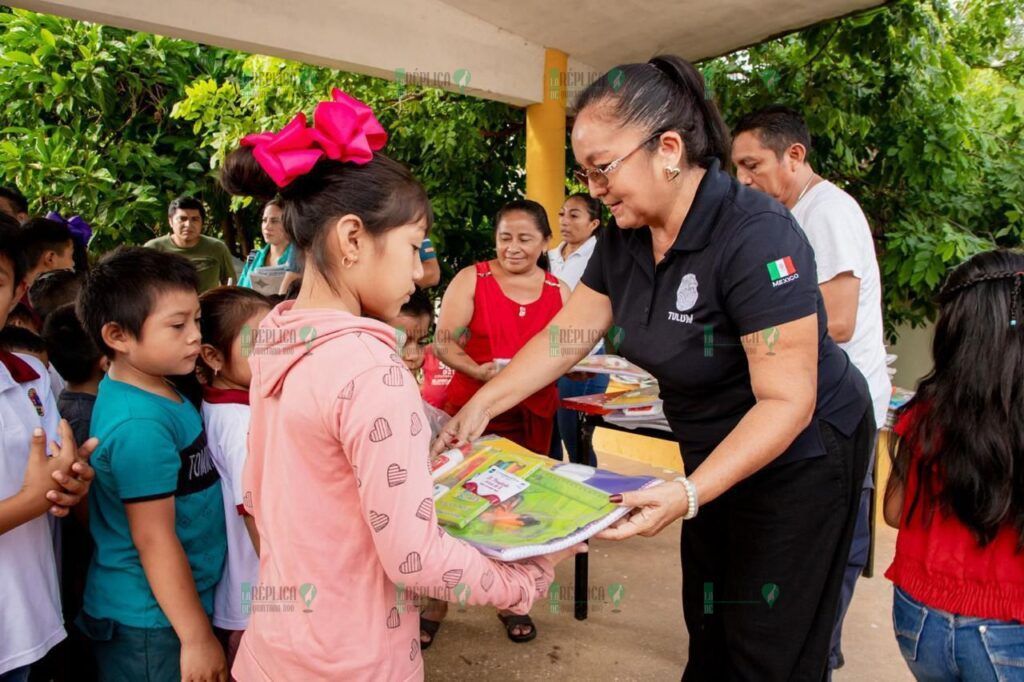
point(714, 288)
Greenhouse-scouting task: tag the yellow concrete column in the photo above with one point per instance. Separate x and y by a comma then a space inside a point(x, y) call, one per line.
point(545, 141)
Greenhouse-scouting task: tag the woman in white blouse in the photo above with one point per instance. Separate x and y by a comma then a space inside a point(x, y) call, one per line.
point(579, 221)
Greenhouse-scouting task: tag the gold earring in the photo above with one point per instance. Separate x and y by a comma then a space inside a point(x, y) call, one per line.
point(671, 172)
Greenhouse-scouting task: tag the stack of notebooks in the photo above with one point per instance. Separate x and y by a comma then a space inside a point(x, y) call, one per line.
point(640, 408)
point(512, 504)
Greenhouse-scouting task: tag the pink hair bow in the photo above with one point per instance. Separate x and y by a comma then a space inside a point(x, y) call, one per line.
point(344, 129)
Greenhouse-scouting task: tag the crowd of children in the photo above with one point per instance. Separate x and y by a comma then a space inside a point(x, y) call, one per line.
point(259, 466)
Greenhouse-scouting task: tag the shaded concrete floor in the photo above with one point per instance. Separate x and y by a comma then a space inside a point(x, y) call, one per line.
point(644, 638)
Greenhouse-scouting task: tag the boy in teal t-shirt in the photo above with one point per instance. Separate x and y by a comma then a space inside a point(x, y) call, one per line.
point(156, 511)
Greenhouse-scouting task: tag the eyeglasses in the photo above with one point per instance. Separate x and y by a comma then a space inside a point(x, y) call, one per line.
point(599, 175)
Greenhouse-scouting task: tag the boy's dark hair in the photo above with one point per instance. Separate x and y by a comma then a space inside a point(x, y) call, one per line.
point(667, 93)
point(53, 289)
point(778, 127)
point(968, 438)
point(14, 339)
point(17, 199)
point(10, 247)
point(124, 285)
point(23, 316)
point(383, 193)
point(185, 202)
point(225, 310)
point(540, 219)
point(39, 235)
point(418, 304)
point(71, 349)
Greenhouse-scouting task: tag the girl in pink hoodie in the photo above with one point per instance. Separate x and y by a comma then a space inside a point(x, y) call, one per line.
point(337, 477)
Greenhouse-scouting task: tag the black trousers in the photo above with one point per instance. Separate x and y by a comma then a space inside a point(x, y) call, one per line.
point(763, 566)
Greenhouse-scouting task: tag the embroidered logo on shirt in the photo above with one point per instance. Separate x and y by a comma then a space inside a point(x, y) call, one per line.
point(686, 294)
point(782, 271)
point(36, 402)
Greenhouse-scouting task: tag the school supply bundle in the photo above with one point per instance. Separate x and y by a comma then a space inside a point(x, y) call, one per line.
point(512, 504)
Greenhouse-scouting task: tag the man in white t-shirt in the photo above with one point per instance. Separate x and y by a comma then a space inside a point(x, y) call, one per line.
point(770, 150)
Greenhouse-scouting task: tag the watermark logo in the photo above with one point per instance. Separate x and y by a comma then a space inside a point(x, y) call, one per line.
point(768, 337)
point(616, 335)
point(308, 335)
point(462, 78)
point(308, 593)
point(771, 337)
point(559, 84)
point(246, 339)
point(769, 592)
point(617, 592)
point(263, 341)
point(563, 341)
point(616, 77)
point(598, 597)
point(462, 592)
point(262, 598)
point(444, 80)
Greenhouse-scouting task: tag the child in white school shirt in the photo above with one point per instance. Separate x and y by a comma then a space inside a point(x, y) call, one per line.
point(30, 485)
point(229, 320)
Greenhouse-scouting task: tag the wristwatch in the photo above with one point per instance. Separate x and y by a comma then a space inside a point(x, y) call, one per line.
point(691, 497)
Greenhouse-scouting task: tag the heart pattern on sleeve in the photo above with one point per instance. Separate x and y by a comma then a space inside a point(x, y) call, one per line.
point(416, 425)
point(379, 521)
point(394, 620)
point(414, 649)
point(452, 578)
point(412, 564)
point(426, 509)
point(487, 580)
point(381, 430)
point(396, 475)
point(348, 391)
point(393, 377)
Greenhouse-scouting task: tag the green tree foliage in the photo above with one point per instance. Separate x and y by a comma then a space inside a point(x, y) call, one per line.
point(85, 122)
point(917, 109)
point(468, 153)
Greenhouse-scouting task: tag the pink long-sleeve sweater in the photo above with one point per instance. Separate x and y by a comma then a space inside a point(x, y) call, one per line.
point(337, 479)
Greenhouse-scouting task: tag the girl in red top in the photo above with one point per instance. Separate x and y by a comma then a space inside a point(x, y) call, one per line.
point(957, 488)
point(489, 311)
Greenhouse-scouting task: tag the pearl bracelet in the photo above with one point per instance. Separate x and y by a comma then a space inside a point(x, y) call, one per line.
point(691, 497)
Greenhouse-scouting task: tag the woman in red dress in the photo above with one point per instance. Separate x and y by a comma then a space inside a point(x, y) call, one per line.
point(489, 311)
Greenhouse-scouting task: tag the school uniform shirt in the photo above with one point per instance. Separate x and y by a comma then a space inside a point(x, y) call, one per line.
point(30, 617)
point(740, 267)
point(226, 416)
point(150, 447)
point(837, 229)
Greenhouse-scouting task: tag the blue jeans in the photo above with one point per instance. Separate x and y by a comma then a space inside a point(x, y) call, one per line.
point(940, 646)
point(567, 420)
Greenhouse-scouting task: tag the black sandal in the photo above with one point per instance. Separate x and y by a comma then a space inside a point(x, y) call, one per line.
point(512, 621)
point(430, 627)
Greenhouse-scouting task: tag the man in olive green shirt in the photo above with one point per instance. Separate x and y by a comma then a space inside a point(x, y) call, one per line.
point(210, 256)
